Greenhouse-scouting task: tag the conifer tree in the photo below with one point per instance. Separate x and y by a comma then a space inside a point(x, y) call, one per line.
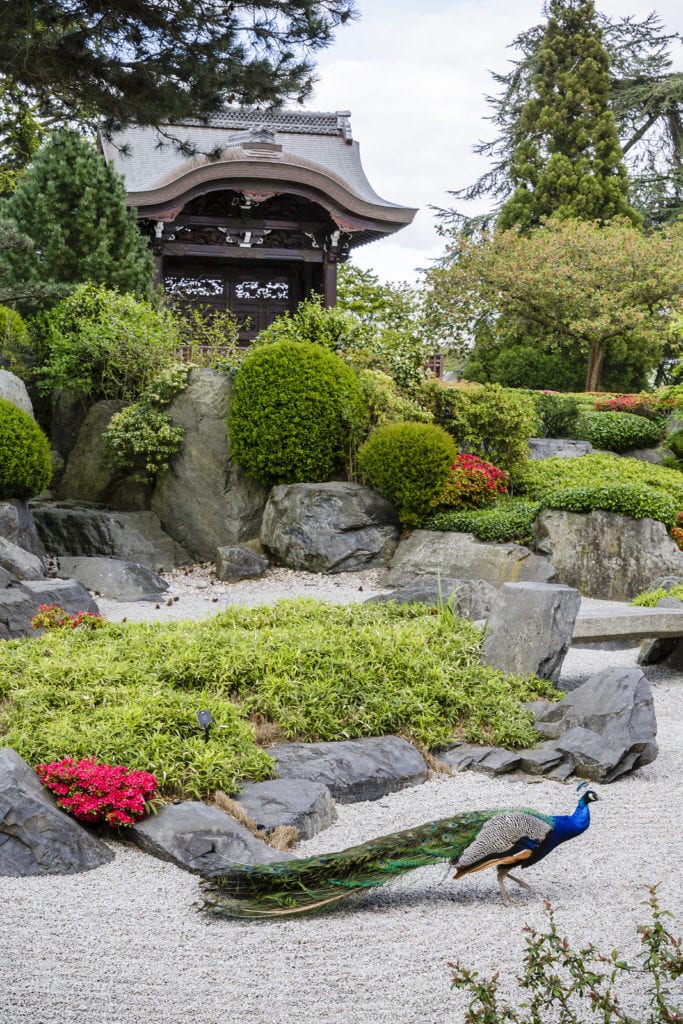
point(568, 161)
point(71, 204)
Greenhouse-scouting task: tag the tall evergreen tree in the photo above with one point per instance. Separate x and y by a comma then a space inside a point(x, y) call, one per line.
point(568, 161)
point(71, 204)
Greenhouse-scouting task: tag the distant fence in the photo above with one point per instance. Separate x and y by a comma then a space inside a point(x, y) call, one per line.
point(200, 354)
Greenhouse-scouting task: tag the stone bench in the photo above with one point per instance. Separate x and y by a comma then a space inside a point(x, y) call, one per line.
point(628, 624)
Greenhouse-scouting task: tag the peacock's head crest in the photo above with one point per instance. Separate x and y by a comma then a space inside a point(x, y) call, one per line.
point(589, 797)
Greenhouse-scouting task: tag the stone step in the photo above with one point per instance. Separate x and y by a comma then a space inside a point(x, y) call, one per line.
point(628, 624)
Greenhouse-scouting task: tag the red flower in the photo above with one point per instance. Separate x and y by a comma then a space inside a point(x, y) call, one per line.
point(99, 792)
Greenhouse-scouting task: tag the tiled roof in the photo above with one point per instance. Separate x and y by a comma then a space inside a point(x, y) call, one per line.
point(306, 122)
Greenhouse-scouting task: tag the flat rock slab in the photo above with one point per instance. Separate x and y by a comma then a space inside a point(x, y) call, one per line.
point(134, 536)
point(449, 555)
point(70, 595)
point(353, 770)
point(202, 839)
point(558, 448)
point(308, 806)
point(114, 578)
point(36, 837)
point(628, 624)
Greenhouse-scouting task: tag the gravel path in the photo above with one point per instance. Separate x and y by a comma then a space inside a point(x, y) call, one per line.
point(124, 943)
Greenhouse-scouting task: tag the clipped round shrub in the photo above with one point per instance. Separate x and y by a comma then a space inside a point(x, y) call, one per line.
point(15, 342)
point(25, 463)
point(296, 411)
point(408, 463)
point(624, 499)
point(617, 431)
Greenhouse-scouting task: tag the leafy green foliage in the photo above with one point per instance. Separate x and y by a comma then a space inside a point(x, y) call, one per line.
point(15, 341)
point(510, 519)
point(650, 598)
point(72, 205)
point(639, 502)
point(101, 344)
point(295, 413)
point(212, 337)
point(568, 161)
point(25, 463)
point(582, 984)
point(408, 463)
point(141, 440)
point(617, 431)
point(386, 403)
point(557, 414)
point(488, 421)
point(128, 693)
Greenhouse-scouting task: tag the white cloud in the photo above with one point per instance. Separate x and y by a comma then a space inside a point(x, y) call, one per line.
point(415, 79)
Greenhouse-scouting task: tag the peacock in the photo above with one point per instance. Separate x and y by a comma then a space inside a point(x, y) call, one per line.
point(471, 841)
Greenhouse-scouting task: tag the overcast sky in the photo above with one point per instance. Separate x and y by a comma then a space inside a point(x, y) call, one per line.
point(414, 74)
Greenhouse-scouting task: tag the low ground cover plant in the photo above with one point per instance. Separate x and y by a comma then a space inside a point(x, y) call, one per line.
point(128, 693)
point(649, 598)
point(51, 616)
point(99, 793)
point(510, 519)
point(560, 983)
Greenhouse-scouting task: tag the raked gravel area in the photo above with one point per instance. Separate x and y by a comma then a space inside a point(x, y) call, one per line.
point(125, 945)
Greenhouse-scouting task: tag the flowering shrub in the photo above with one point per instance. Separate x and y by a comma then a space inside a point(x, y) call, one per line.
point(51, 616)
point(638, 405)
point(677, 532)
point(471, 483)
point(97, 793)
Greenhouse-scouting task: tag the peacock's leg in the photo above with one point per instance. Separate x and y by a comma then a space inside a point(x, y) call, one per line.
point(524, 885)
point(502, 871)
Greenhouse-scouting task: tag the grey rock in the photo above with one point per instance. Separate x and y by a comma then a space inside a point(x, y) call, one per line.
point(353, 770)
point(469, 598)
point(201, 839)
point(530, 629)
point(306, 805)
point(498, 762)
point(20, 601)
point(655, 456)
point(673, 424)
point(628, 623)
point(605, 555)
point(36, 838)
point(329, 527)
point(13, 389)
point(448, 555)
point(114, 578)
point(464, 755)
point(205, 500)
point(70, 595)
point(616, 706)
point(558, 448)
point(17, 525)
point(663, 649)
point(17, 608)
point(541, 760)
point(239, 563)
point(133, 536)
point(667, 582)
point(19, 562)
point(86, 478)
point(68, 413)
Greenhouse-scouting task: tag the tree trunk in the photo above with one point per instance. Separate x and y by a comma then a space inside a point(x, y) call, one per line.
point(596, 357)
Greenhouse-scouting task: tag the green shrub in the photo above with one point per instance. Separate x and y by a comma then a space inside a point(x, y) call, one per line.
point(487, 421)
point(624, 499)
point(617, 431)
point(141, 440)
point(25, 462)
point(510, 519)
point(15, 342)
point(295, 413)
point(128, 693)
point(408, 463)
point(649, 598)
point(100, 344)
point(543, 478)
point(557, 414)
point(386, 403)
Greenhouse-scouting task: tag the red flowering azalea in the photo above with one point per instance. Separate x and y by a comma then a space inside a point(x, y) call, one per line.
point(471, 483)
point(97, 793)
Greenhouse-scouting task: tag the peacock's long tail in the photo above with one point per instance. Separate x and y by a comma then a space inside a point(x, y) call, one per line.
point(314, 883)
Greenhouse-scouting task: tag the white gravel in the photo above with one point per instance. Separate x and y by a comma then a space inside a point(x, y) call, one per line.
point(124, 943)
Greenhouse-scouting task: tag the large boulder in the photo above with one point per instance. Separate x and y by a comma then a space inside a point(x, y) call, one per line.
point(13, 389)
point(36, 838)
point(114, 578)
point(86, 478)
point(20, 600)
point(353, 770)
point(449, 555)
point(606, 555)
point(20, 562)
point(67, 414)
point(17, 526)
point(134, 536)
point(329, 527)
point(530, 628)
point(201, 838)
point(205, 500)
point(606, 727)
point(558, 448)
point(307, 806)
point(470, 598)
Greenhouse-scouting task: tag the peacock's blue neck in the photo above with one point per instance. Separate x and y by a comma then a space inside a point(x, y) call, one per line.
point(566, 826)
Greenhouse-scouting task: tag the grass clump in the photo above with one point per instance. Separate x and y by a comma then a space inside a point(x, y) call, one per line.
point(649, 598)
point(510, 519)
point(128, 693)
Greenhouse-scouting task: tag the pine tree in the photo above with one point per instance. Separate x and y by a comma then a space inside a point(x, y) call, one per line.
point(71, 204)
point(568, 161)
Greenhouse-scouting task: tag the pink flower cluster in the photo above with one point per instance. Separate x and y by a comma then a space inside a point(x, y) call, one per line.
point(51, 616)
point(97, 793)
point(638, 405)
point(472, 483)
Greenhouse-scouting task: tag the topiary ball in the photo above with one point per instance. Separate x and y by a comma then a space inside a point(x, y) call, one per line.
point(616, 431)
point(25, 463)
point(294, 411)
point(408, 463)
